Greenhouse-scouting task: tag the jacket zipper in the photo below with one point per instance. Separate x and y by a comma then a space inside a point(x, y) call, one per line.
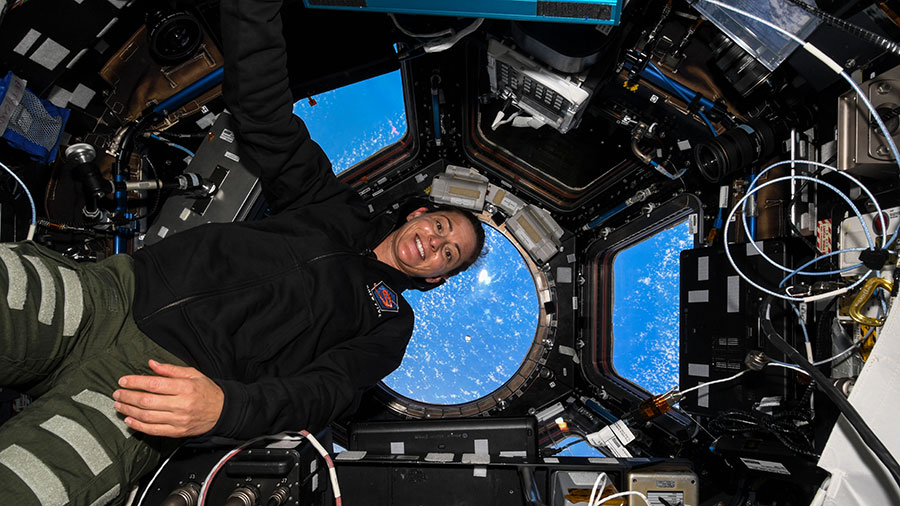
point(332, 254)
point(185, 300)
point(210, 293)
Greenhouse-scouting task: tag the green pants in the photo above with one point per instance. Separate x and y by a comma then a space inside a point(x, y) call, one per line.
point(66, 337)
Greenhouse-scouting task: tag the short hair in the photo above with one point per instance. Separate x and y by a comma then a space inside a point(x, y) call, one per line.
point(476, 226)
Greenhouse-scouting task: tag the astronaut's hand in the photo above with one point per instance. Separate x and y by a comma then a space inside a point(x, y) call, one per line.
point(180, 402)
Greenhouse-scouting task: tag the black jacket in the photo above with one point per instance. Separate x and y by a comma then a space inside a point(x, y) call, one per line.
point(291, 315)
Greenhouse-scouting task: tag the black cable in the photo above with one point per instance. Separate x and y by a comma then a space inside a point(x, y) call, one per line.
point(869, 438)
point(823, 337)
point(559, 449)
point(126, 144)
point(3, 12)
point(123, 151)
point(850, 28)
point(785, 427)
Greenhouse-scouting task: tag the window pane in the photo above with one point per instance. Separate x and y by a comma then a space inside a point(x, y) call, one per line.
point(354, 122)
point(472, 333)
point(646, 310)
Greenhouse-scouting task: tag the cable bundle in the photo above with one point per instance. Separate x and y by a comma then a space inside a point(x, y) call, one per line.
point(786, 427)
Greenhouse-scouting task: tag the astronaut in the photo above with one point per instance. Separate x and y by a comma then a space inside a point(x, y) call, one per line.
point(234, 330)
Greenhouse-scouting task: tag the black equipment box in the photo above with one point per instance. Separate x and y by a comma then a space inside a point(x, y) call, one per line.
point(292, 465)
point(237, 190)
point(414, 481)
point(720, 324)
point(512, 437)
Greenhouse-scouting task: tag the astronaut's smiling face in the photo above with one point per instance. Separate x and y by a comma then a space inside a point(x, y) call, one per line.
point(432, 244)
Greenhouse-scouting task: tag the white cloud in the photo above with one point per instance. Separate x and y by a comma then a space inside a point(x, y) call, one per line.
point(484, 278)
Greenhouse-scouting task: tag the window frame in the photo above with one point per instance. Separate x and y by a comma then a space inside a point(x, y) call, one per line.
point(519, 381)
point(599, 296)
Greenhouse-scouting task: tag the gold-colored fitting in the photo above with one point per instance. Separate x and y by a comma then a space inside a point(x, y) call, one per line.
point(862, 298)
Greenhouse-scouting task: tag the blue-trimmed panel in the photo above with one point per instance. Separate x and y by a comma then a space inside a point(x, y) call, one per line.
point(596, 12)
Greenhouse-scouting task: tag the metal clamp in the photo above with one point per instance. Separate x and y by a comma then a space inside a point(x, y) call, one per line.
point(862, 298)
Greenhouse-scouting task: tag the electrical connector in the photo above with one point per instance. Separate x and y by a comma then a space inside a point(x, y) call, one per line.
point(654, 407)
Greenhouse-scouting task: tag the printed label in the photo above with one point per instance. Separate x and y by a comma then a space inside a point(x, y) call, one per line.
point(823, 236)
point(665, 498)
point(765, 466)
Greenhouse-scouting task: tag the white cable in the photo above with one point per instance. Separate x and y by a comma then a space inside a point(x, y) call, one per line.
point(787, 366)
point(332, 473)
point(874, 114)
point(821, 493)
point(281, 436)
point(740, 273)
point(215, 469)
point(623, 494)
point(839, 355)
point(861, 96)
point(825, 166)
point(528, 121)
point(446, 43)
point(600, 477)
point(723, 380)
point(827, 360)
point(806, 343)
point(159, 470)
point(846, 350)
point(33, 225)
point(841, 194)
point(822, 57)
point(499, 121)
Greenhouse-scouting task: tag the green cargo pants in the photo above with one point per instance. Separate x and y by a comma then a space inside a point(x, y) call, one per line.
point(67, 336)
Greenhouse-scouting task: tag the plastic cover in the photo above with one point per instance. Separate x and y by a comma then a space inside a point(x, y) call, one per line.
point(766, 44)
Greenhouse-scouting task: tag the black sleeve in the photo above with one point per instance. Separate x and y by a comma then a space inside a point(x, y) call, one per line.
point(275, 143)
point(325, 390)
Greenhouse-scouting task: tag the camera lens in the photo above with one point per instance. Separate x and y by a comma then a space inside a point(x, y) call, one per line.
point(173, 36)
point(736, 149)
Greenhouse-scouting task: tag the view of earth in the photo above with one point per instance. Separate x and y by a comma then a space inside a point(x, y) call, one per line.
point(354, 122)
point(473, 332)
point(646, 311)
